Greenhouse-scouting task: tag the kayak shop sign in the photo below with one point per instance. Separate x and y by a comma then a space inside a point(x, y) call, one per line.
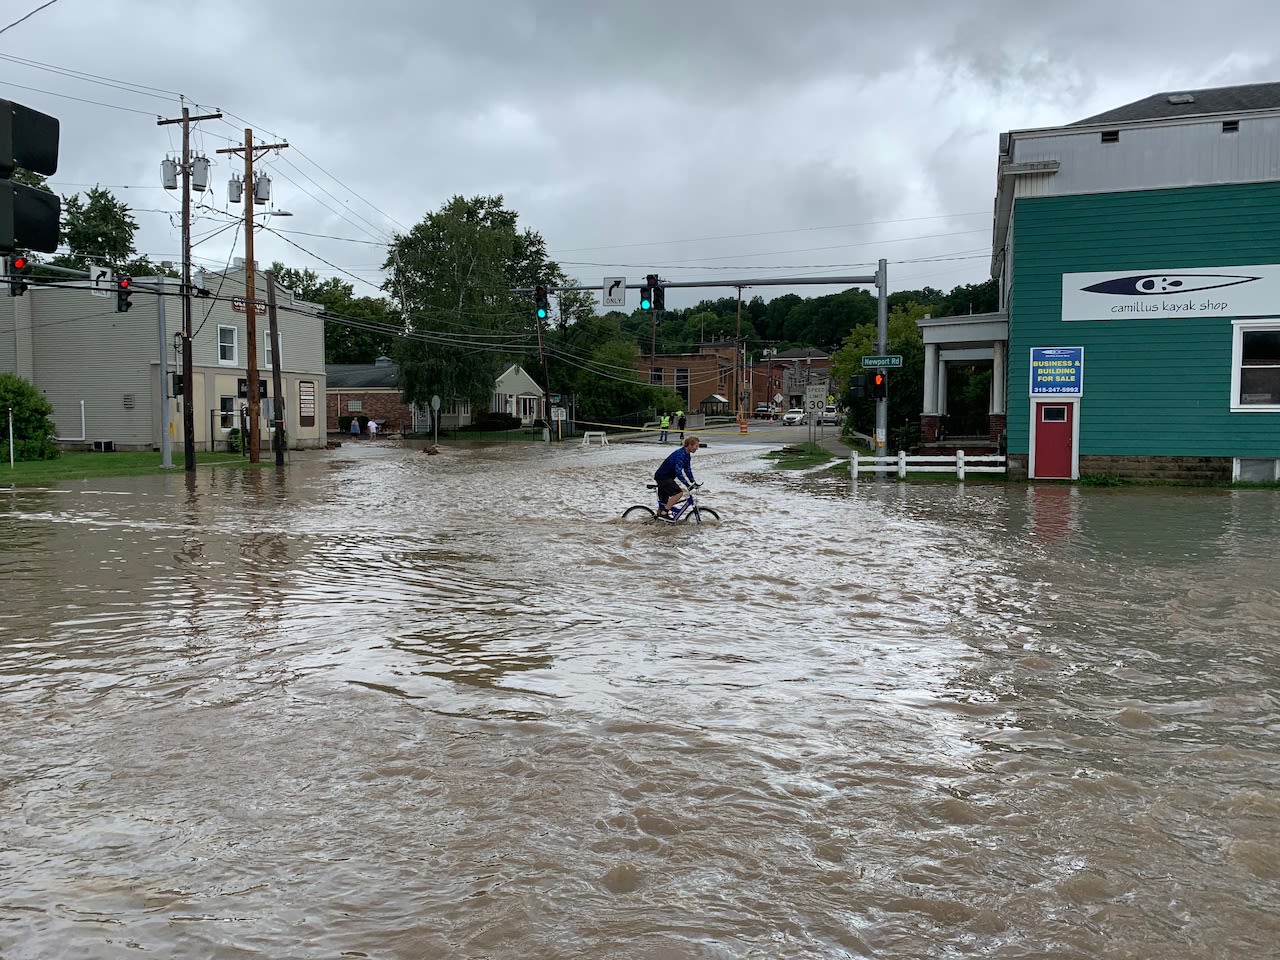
point(1233, 291)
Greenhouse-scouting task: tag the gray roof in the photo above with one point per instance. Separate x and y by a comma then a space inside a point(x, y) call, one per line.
point(1188, 103)
point(349, 376)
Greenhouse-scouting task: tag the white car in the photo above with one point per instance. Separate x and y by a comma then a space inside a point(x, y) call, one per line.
point(793, 416)
point(830, 415)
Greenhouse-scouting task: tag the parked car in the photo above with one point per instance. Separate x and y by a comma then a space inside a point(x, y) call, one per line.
point(793, 416)
point(766, 411)
point(830, 415)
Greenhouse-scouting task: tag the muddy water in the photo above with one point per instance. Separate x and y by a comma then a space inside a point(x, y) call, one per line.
point(388, 705)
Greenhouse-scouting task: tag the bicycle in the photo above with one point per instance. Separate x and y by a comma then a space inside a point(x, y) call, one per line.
point(687, 509)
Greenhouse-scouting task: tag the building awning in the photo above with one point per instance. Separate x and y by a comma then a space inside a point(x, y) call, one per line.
point(716, 398)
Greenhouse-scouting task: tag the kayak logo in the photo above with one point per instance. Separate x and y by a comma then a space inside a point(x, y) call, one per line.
point(1158, 284)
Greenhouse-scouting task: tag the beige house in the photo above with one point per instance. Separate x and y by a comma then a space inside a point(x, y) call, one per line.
point(109, 375)
point(517, 393)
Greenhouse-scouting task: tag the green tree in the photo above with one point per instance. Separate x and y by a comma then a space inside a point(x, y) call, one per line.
point(612, 387)
point(29, 179)
point(356, 329)
point(822, 322)
point(98, 227)
point(971, 298)
point(453, 274)
point(906, 384)
point(33, 430)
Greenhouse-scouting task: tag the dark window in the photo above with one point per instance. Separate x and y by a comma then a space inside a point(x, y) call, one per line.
point(1260, 367)
point(1230, 126)
point(1053, 414)
point(1110, 136)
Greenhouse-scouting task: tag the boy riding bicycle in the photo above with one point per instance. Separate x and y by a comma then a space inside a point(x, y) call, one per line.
point(676, 468)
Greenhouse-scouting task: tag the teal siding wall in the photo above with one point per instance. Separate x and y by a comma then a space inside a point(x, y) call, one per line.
point(1151, 387)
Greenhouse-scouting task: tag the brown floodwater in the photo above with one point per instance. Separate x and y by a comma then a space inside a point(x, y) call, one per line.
point(390, 705)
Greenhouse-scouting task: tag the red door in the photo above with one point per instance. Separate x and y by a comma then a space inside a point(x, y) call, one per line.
point(1054, 428)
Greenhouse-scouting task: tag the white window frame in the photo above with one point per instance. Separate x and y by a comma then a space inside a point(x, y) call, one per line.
point(267, 353)
point(227, 416)
point(235, 346)
point(1238, 329)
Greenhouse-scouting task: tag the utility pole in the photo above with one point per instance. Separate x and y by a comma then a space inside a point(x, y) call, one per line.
point(250, 301)
point(188, 380)
point(742, 345)
point(882, 345)
point(277, 386)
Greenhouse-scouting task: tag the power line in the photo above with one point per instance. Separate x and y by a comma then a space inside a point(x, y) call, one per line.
point(320, 258)
point(67, 96)
point(29, 15)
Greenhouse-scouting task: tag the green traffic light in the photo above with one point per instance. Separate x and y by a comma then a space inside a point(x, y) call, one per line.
point(645, 303)
point(542, 313)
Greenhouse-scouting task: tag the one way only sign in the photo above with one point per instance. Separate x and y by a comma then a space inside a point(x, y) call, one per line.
point(101, 279)
point(615, 291)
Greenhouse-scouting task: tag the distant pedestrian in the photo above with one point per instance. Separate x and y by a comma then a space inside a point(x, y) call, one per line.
point(355, 426)
point(664, 424)
point(373, 429)
point(680, 423)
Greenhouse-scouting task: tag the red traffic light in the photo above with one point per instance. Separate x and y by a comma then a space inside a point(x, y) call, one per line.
point(19, 263)
point(123, 282)
point(880, 385)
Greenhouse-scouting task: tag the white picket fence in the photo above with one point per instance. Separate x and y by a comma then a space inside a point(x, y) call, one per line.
point(902, 463)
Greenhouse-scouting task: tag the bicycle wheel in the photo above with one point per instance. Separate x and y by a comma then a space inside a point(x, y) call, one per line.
point(704, 515)
point(637, 514)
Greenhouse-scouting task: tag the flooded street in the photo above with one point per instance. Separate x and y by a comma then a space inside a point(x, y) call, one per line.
point(390, 705)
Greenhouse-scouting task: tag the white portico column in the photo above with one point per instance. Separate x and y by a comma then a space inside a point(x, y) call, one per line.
point(999, 376)
point(931, 379)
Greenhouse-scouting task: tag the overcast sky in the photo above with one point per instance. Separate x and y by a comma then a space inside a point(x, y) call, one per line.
point(709, 140)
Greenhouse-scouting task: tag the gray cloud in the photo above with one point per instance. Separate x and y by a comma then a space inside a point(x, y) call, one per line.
point(796, 135)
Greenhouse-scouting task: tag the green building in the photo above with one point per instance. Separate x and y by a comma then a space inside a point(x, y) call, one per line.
point(1138, 254)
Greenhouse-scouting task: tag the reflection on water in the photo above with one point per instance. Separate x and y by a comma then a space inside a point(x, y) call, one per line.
point(383, 704)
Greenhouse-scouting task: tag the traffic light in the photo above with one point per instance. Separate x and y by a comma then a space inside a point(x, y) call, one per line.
point(541, 304)
point(19, 270)
point(29, 217)
point(124, 290)
point(858, 386)
point(656, 296)
point(880, 385)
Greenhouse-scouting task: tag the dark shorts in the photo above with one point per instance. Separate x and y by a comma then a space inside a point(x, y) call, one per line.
point(668, 489)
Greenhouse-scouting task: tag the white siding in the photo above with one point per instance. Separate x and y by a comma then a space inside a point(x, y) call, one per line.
point(1189, 153)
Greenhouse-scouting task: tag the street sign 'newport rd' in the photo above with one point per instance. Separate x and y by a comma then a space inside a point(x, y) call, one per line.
point(888, 360)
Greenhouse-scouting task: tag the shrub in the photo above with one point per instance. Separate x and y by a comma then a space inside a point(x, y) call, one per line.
point(497, 421)
point(33, 431)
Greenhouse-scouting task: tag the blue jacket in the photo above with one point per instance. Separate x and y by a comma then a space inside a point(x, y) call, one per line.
point(677, 466)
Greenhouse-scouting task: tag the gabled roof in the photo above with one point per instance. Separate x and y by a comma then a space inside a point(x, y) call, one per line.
point(368, 376)
point(1190, 103)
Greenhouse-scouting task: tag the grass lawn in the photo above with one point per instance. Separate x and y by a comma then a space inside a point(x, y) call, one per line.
point(81, 466)
point(800, 457)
